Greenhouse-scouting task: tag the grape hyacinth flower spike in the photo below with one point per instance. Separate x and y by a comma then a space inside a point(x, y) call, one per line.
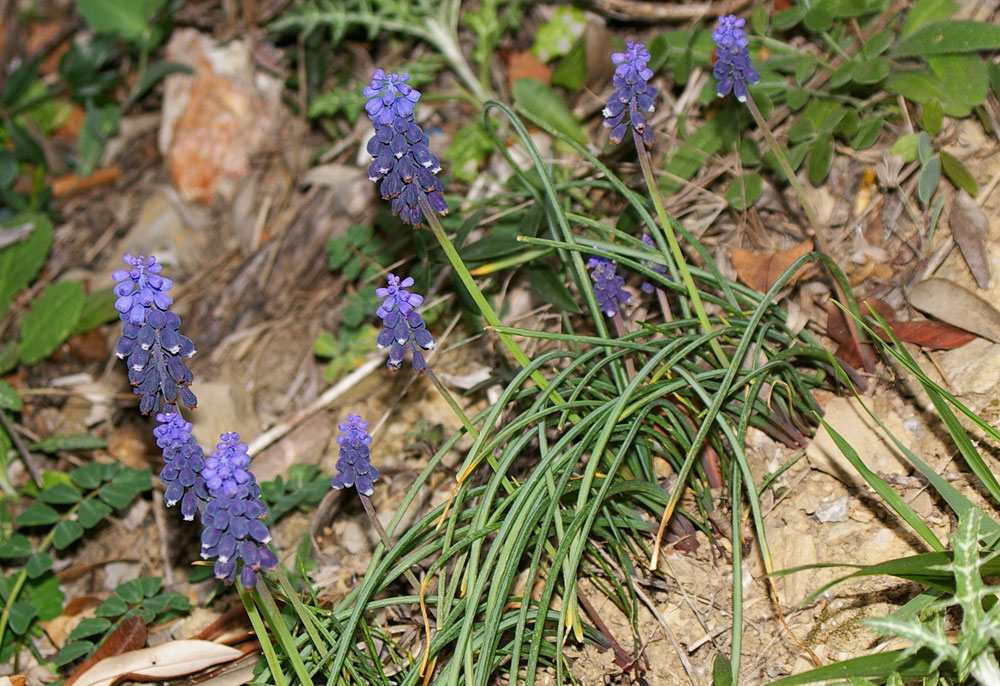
point(402, 325)
point(150, 341)
point(647, 286)
point(401, 159)
point(609, 288)
point(633, 98)
point(233, 531)
point(733, 68)
point(354, 466)
point(183, 460)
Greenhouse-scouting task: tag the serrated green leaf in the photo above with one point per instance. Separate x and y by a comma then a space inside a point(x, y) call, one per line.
point(949, 37)
point(932, 117)
point(37, 514)
point(38, 564)
point(89, 626)
point(549, 286)
point(930, 176)
point(17, 546)
point(820, 159)
point(65, 533)
point(9, 399)
point(91, 511)
point(531, 95)
point(54, 444)
point(745, 191)
point(98, 308)
point(21, 616)
point(20, 262)
point(112, 607)
point(73, 651)
point(958, 174)
point(49, 321)
point(130, 591)
point(60, 494)
point(88, 477)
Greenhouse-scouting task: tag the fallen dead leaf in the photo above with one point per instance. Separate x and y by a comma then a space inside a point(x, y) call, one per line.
point(169, 660)
point(760, 270)
point(75, 611)
point(14, 680)
point(126, 639)
point(525, 65)
point(71, 183)
point(970, 229)
point(930, 334)
point(955, 305)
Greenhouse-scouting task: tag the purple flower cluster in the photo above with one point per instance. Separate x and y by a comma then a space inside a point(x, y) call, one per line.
point(609, 288)
point(400, 156)
point(183, 461)
point(647, 286)
point(633, 95)
point(233, 530)
point(403, 327)
point(733, 68)
point(354, 466)
point(150, 341)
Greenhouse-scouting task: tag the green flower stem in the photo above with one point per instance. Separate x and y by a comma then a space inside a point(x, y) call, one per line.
point(306, 617)
point(477, 295)
point(811, 215)
point(261, 630)
point(274, 620)
point(675, 248)
point(366, 502)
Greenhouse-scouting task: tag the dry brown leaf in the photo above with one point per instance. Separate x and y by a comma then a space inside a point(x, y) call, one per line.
point(760, 270)
point(970, 229)
point(955, 305)
point(168, 660)
point(14, 680)
point(75, 611)
point(522, 65)
point(71, 183)
point(129, 636)
point(930, 334)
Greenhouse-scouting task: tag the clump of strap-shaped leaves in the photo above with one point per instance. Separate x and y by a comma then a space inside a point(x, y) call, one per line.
point(560, 484)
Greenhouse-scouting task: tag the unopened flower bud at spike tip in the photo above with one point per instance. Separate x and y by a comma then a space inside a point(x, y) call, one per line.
point(733, 67)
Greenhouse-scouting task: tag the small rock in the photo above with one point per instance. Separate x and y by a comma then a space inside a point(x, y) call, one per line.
point(835, 511)
point(807, 502)
point(117, 573)
point(353, 539)
point(130, 444)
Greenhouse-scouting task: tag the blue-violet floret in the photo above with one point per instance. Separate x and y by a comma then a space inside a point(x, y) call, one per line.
point(226, 467)
point(633, 98)
point(401, 158)
point(354, 466)
point(733, 67)
point(151, 342)
point(402, 325)
point(183, 461)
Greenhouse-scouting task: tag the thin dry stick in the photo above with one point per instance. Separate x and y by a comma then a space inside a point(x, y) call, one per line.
point(22, 449)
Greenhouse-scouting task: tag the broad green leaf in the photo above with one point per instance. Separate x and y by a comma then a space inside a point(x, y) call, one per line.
point(73, 651)
point(150, 585)
point(805, 68)
point(112, 607)
point(964, 77)
point(722, 671)
point(797, 97)
point(819, 17)
point(325, 345)
point(9, 399)
point(129, 20)
point(8, 356)
point(542, 102)
point(45, 594)
point(89, 476)
point(924, 150)
point(21, 261)
point(38, 564)
point(8, 168)
point(21, 615)
point(922, 86)
point(571, 72)
point(871, 71)
point(60, 494)
point(949, 37)
point(153, 74)
point(89, 626)
point(692, 153)
point(906, 146)
point(931, 117)
point(49, 321)
point(66, 532)
point(91, 511)
point(744, 191)
point(126, 484)
point(958, 174)
point(54, 444)
point(468, 149)
point(930, 175)
point(130, 591)
point(820, 159)
point(37, 514)
point(787, 18)
point(556, 36)
point(18, 82)
point(98, 308)
point(550, 287)
point(925, 11)
point(877, 666)
point(878, 44)
point(17, 546)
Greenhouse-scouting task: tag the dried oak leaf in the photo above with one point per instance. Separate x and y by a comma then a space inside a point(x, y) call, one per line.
point(760, 270)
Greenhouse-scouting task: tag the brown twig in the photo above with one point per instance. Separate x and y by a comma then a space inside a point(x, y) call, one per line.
point(21, 448)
